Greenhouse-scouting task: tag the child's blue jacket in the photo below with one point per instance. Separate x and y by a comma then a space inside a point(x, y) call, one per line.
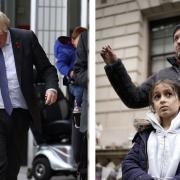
point(64, 53)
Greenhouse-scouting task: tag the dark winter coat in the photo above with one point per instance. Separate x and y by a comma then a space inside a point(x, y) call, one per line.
point(81, 69)
point(81, 64)
point(135, 164)
point(137, 97)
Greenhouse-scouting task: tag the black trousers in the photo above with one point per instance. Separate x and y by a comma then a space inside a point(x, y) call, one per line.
point(83, 163)
point(13, 137)
point(80, 151)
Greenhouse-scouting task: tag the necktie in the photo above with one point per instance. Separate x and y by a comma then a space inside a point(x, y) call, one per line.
point(4, 85)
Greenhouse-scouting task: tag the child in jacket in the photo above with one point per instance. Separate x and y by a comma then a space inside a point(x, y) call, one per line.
point(156, 150)
point(65, 53)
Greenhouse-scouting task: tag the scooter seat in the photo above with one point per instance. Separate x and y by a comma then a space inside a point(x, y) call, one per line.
point(59, 127)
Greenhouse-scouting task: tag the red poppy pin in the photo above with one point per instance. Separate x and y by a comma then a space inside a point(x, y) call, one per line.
point(18, 45)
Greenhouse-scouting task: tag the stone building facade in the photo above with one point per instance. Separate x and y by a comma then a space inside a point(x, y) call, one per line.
point(128, 26)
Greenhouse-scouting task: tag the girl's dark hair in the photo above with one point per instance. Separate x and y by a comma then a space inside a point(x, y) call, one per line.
point(173, 84)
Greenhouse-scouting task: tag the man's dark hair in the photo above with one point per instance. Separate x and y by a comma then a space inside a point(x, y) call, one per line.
point(176, 29)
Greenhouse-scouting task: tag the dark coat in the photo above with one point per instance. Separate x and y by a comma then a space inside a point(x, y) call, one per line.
point(135, 164)
point(137, 96)
point(79, 139)
point(28, 53)
point(81, 63)
point(81, 68)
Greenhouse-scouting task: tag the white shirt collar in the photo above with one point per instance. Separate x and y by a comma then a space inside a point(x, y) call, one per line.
point(8, 39)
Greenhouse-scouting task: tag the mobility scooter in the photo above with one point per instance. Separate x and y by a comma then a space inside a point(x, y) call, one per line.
point(54, 152)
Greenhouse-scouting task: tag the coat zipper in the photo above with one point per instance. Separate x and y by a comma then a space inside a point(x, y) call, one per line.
point(163, 159)
point(146, 156)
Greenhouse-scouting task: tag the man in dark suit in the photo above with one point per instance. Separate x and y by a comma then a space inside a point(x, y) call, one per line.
point(20, 51)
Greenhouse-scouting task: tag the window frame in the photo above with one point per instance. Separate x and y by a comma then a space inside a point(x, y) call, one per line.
point(165, 21)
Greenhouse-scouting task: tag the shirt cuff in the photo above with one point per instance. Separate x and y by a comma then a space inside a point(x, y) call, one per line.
point(52, 89)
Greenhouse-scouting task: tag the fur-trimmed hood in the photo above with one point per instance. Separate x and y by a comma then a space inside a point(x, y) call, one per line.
point(141, 124)
point(152, 120)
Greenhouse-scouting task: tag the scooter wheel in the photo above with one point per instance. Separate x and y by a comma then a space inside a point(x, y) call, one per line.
point(41, 169)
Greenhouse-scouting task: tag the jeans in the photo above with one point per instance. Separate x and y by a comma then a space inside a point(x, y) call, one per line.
point(77, 92)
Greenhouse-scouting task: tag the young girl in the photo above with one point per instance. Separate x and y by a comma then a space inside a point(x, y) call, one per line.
point(156, 150)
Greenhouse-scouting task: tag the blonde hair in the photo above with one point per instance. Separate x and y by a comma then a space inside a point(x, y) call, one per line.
point(4, 22)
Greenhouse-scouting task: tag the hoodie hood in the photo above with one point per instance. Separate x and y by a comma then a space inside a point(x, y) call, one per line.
point(155, 122)
point(64, 40)
point(63, 43)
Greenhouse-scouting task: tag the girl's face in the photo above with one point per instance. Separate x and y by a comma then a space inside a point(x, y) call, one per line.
point(165, 101)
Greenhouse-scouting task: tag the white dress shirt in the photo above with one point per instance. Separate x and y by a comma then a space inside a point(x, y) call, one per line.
point(15, 92)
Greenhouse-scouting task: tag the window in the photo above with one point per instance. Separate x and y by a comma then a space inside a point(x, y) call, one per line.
point(161, 43)
point(2, 5)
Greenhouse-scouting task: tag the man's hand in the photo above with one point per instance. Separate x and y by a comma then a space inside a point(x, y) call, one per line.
point(108, 55)
point(50, 97)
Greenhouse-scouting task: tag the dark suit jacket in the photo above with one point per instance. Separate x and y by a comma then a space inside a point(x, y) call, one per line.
point(28, 53)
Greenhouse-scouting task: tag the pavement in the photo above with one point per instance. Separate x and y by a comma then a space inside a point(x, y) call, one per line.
point(23, 170)
point(22, 174)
